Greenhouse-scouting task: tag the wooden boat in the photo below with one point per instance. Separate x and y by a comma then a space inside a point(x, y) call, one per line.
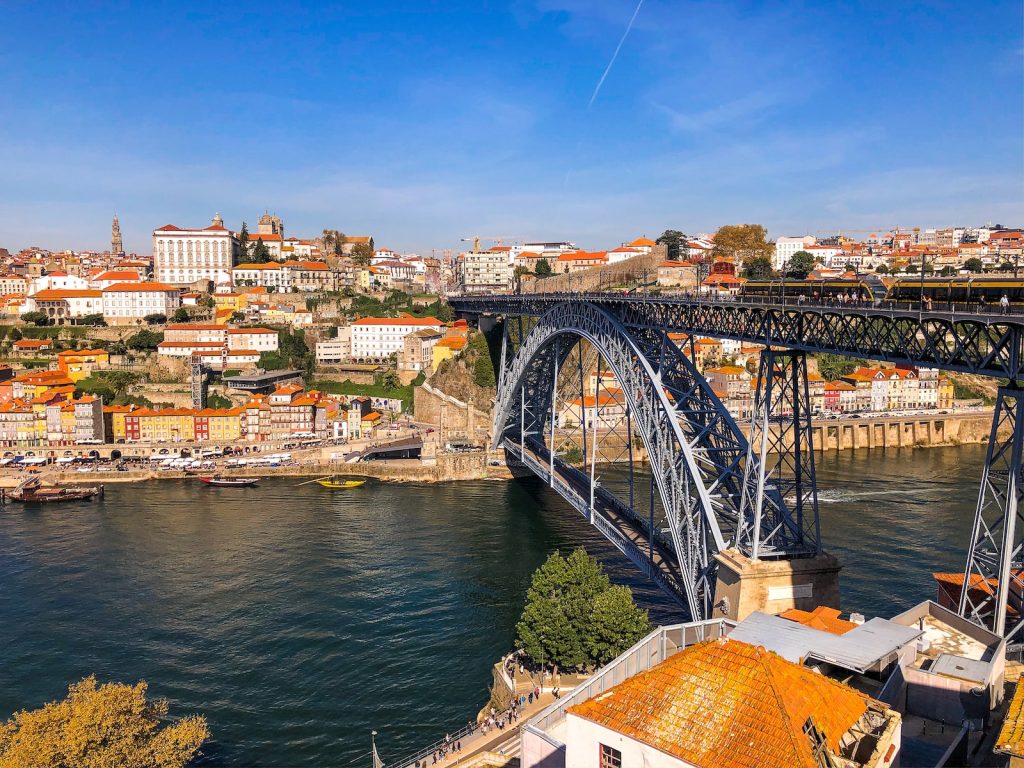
point(32, 492)
point(336, 484)
point(230, 482)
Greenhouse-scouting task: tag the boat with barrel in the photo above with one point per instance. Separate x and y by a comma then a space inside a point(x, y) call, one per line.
point(219, 481)
point(32, 491)
point(335, 483)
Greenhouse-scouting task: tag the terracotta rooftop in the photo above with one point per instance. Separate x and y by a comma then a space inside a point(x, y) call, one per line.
point(823, 618)
point(1011, 736)
point(727, 704)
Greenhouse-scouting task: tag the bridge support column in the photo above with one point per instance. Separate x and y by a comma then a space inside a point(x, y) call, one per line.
point(993, 581)
point(778, 562)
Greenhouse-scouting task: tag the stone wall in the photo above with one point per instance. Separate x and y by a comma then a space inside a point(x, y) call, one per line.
point(452, 418)
point(628, 271)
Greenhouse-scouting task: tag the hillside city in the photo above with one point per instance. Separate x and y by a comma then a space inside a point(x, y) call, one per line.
point(223, 336)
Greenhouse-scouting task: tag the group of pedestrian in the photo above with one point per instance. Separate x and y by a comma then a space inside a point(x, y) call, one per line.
point(449, 746)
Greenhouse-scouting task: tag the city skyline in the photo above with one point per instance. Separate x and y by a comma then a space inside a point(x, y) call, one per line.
point(536, 120)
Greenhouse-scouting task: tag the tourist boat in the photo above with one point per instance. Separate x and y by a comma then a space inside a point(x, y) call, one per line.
point(336, 484)
point(31, 491)
point(230, 482)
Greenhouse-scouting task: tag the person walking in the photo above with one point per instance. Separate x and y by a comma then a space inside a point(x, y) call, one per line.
point(1004, 305)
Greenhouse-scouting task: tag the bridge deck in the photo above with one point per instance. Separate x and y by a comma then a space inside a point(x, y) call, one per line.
point(969, 339)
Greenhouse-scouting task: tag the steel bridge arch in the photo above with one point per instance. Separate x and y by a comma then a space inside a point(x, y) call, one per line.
point(695, 454)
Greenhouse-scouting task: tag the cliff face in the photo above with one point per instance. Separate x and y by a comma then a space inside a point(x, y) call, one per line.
point(456, 378)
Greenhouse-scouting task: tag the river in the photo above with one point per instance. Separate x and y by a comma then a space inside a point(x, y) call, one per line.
point(298, 620)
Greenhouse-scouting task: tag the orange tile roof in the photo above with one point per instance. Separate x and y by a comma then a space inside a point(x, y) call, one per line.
point(118, 274)
point(1011, 736)
point(194, 327)
point(398, 321)
point(59, 294)
point(641, 242)
point(82, 352)
point(453, 342)
point(728, 704)
point(140, 287)
point(824, 618)
point(32, 343)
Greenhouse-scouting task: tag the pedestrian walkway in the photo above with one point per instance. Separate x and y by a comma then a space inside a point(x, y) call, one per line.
point(495, 740)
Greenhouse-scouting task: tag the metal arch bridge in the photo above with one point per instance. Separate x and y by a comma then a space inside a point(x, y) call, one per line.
point(712, 488)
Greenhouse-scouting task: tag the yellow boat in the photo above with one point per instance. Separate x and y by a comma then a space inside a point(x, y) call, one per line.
point(339, 485)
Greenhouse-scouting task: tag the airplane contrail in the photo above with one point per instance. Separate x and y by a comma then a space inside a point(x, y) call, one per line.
point(615, 55)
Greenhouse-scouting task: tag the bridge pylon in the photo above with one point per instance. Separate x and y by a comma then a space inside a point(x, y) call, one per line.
point(777, 561)
point(779, 504)
point(992, 593)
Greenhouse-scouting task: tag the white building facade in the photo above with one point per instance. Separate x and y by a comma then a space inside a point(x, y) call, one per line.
point(785, 247)
point(375, 338)
point(184, 256)
point(127, 303)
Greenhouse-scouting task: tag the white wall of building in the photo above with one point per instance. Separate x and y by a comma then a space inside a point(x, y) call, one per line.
point(785, 247)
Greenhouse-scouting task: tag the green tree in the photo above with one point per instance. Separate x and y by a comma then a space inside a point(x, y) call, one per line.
point(518, 274)
point(332, 242)
point(573, 617)
point(181, 315)
point(156, 318)
point(947, 270)
point(36, 318)
point(758, 268)
point(95, 319)
point(483, 372)
point(543, 268)
point(243, 244)
point(390, 380)
point(881, 269)
point(911, 269)
point(617, 625)
point(144, 339)
point(674, 239)
point(15, 334)
point(835, 366)
point(218, 401)
point(974, 265)
point(260, 253)
point(98, 726)
point(1007, 266)
point(801, 265)
point(742, 242)
point(237, 317)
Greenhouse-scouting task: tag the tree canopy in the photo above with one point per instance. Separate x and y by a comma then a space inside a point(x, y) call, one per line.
point(974, 264)
point(543, 268)
point(144, 339)
point(362, 253)
point(674, 239)
point(800, 265)
point(758, 268)
point(742, 242)
point(574, 617)
point(98, 726)
point(835, 366)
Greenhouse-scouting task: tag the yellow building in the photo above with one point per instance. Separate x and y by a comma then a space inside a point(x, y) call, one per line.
point(946, 393)
point(169, 425)
point(219, 425)
point(234, 301)
point(79, 364)
point(446, 349)
point(113, 417)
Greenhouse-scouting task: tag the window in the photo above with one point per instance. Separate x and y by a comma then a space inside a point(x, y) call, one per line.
point(610, 757)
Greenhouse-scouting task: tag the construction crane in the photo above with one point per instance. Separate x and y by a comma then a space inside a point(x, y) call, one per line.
point(496, 239)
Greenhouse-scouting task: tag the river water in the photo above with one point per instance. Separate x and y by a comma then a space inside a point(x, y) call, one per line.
point(298, 620)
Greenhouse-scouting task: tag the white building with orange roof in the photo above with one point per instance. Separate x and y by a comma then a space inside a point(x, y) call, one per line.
point(13, 284)
point(579, 261)
point(108, 277)
point(62, 305)
point(376, 338)
point(643, 244)
point(605, 410)
point(129, 303)
point(182, 256)
point(723, 704)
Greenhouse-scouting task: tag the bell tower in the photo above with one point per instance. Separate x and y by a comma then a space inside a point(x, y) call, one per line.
point(116, 246)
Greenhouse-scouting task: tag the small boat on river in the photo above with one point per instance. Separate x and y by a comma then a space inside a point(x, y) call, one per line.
point(230, 482)
point(337, 484)
point(32, 491)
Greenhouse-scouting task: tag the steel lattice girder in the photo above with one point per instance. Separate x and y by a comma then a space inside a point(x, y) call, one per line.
point(994, 562)
point(684, 471)
point(780, 464)
point(966, 343)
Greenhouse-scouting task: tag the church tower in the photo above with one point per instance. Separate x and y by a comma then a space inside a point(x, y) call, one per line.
point(116, 246)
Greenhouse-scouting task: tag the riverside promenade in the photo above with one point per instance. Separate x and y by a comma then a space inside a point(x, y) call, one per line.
point(489, 744)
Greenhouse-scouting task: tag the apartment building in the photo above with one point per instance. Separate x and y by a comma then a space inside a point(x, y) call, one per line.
point(486, 272)
point(376, 338)
point(129, 303)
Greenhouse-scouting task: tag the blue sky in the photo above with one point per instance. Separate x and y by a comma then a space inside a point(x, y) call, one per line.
point(422, 122)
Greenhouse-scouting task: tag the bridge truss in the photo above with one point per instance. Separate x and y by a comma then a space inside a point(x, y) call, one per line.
point(672, 513)
point(709, 488)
